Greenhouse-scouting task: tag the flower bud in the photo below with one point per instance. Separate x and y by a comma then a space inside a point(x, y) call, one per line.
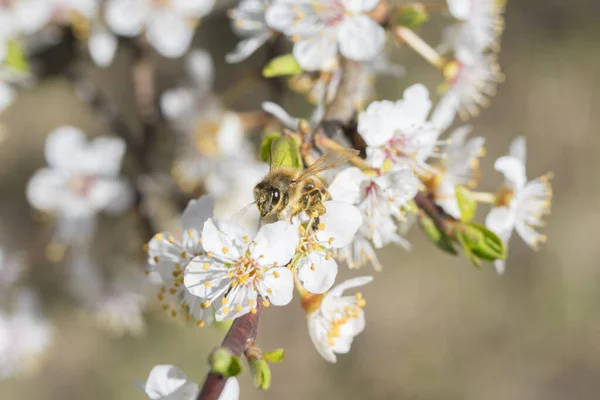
point(225, 363)
point(412, 16)
point(282, 148)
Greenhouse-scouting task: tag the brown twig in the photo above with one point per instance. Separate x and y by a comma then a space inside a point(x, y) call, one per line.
point(442, 220)
point(243, 330)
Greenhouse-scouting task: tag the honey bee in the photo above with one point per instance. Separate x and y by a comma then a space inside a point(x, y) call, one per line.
point(290, 191)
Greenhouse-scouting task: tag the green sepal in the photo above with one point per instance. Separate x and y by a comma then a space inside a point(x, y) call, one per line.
point(476, 261)
point(223, 326)
point(284, 65)
point(438, 237)
point(284, 150)
point(15, 57)
point(222, 361)
point(478, 243)
point(273, 356)
point(412, 16)
point(261, 373)
point(466, 204)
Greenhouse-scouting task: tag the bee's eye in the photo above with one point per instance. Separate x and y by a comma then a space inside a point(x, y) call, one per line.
point(275, 195)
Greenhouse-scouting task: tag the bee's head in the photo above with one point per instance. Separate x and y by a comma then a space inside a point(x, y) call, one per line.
point(267, 197)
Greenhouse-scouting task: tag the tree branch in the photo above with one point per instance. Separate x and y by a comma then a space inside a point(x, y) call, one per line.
point(243, 330)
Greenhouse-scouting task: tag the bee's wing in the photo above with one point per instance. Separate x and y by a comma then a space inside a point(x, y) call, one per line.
point(273, 164)
point(331, 159)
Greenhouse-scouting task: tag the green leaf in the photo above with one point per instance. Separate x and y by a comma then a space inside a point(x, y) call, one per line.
point(261, 373)
point(412, 16)
point(282, 66)
point(466, 204)
point(273, 356)
point(15, 57)
point(225, 363)
point(438, 237)
point(284, 150)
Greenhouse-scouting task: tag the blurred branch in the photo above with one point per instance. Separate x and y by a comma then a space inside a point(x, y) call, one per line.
point(243, 330)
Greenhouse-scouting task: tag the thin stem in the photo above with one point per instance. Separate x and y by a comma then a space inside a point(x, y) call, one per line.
point(331, 144)
point(484, 197)
point(243, 330)
point(442, 221)
point(420, 46)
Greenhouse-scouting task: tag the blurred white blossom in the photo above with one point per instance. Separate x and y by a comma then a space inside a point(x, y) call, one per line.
point(520, 205)
point(248, 20)
point(24, 336)
point(479, 25)
point(82, 179)
point(169, 25)
point(319, 28)
point(471, 80)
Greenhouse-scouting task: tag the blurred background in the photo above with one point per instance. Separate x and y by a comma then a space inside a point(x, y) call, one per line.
point(436, 327)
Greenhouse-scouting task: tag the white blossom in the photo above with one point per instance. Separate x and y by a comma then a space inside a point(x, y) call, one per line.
point(315, 264)
point(237, 269)
point(479, 25)
point(319, 28)
point(333, 325)
point(10, 268)
point(380, 199)
point(121, 309)
point(169, 257)
point(81, 179)
point(167, 382)
point(459, 166)
point(249, 22)
point(169, 25)
point(521, 204)
point(470, 81)
point(24, 336)
point(399, 133)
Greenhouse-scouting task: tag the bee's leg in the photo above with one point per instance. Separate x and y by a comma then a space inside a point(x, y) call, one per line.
point(315, 207)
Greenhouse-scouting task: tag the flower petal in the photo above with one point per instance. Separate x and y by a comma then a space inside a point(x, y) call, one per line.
point(225, 239)
point(197, 212)
point(377, 124)
point(231, 391)
point(46, 189)
point(245, 48)
point(240, 300)
point(206, 278)
point(63, 146)
point(317, 273)
point(111, 195)
point(518, 148)
point(201, 69)
point(169, 33)
point(358, 6)
point(338, 290)
point(275, 243)
point(126, 17)
point(317, 52)
point(166, 381)
point(317, 330)
point(103, 46)
point(340, 223)
point(501, 221)
point(281, 282)
point(360, 38)
point(346, 186)
point(513, 170)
